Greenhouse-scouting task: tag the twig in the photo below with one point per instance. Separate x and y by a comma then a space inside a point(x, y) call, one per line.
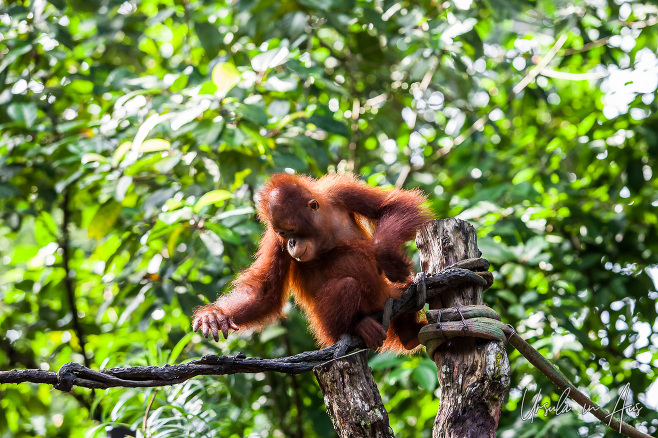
point(540, 66)
point(600, 42)
point(573, 76)
point(404, 173)
point(588, 46)
point(68, 281)
point(73, 374)
point(146, 413)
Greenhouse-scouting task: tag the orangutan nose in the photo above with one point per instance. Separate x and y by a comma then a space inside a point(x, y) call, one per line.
point(291, 243)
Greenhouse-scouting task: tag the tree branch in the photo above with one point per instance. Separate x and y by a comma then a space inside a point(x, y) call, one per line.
point(73, 374)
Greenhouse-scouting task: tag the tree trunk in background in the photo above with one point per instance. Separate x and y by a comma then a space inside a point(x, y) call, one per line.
point(474, 374)
point(352, 398)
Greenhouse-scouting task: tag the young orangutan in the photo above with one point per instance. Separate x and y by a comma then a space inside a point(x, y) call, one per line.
point(317, 245)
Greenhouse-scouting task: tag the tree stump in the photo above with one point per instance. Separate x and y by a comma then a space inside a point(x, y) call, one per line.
point(474, 374)
point(352, 399)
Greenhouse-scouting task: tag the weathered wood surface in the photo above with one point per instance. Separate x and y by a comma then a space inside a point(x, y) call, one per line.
point(352, 398)
point(473, 374)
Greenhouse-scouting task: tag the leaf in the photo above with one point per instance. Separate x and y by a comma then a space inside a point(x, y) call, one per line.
point(92, 157)
point(104, 219)
point(157, 199)
point(188, 116)
point(10, 57)
point(179, 83)
point(238, 178)
point(168, 163)
point(279, 109)
point(188, 302)
point(290, 161)
point(635, 175)
point(165, 292)
point(226, 234)
point(425, 376)
point(533, 247)
point(173, 239)
point(515, 273)
point(507, 295)
point(495, 252)
point(490, 194)
point(212, 197)
point(122, 187)
point(208, 87)
point(270, 59)
point(399, 374)
point(120, 152)
point(154, 145)
point(208, 132)
point(213, 243)
point(523, 176)
point(42, 235)
point(50, 224)
point(209, 37)
point(172, 217)
point(160, 229)
point(473, 39)
point(225, 76)
point(134, 304)
point(586, 124)
point(8, 190)
point(23, 113)
point(385, 360)
point(281, 85)
point(272, 332)
point(369, 47)
point(178, 348)
point(253, 113)
point(320, 5)
point(62, 184)
point(237, 212)
point(81, 86)
point(329, 124)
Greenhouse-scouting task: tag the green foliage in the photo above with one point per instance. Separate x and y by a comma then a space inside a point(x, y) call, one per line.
point(134, 135)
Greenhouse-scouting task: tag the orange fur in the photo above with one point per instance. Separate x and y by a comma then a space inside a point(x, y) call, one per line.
point(335, 243)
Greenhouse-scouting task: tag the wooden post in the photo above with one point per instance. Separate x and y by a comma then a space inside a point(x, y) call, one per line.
point(474, 374)
point(352, 398)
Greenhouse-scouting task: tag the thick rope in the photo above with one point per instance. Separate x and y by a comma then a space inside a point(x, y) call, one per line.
point(73, 374)
point(482, 322)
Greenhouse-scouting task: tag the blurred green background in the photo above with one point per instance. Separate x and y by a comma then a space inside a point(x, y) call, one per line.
point(134, 135)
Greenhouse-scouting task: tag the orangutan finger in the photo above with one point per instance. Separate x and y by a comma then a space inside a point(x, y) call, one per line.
point(224, 325)
point(214, 328)
point(206, 326)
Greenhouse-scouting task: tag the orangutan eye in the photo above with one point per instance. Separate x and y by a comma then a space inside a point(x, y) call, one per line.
point(313, 204)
